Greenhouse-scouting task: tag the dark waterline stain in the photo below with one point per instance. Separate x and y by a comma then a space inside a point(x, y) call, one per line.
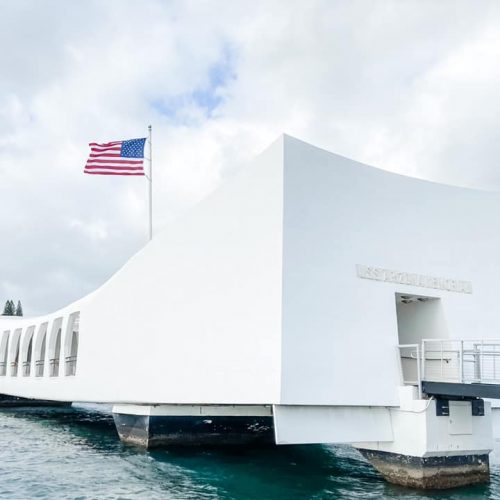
point(74, 453)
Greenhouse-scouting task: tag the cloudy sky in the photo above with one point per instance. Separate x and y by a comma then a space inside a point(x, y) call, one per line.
point(412, 86)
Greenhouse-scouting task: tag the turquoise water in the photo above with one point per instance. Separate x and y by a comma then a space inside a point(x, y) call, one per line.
point(74, 453)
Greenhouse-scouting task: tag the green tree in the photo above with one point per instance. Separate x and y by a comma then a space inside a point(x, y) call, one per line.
point(19, 308)
point(8, 310)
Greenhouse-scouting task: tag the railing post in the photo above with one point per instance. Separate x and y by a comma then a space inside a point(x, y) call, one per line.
point(423, 360)
point(481, 361)
point(461, 362)
point(441, 363)
point(477, 362)
point(494, 350)
point(419, 378)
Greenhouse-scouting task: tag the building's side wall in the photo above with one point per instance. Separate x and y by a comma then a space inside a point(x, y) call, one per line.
point(195, 317)
point(340, 331)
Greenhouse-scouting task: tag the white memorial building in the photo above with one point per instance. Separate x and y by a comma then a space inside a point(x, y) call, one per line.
point(311, 299)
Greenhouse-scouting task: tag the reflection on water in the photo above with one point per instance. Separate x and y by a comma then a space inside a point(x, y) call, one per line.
point(75, 453)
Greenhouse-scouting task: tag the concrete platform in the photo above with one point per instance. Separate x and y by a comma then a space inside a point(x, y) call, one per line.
point(430, 472)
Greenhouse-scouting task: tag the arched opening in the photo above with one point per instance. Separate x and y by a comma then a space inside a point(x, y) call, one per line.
point(27, 351)
point(55, 347)
point(71, 347)
point(4, 351)
point(14, 352)
point(40, 343)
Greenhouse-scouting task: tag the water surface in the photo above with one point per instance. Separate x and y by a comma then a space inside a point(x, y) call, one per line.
point(74, 453)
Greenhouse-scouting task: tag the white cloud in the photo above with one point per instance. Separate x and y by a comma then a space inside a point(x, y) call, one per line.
point(410, 86)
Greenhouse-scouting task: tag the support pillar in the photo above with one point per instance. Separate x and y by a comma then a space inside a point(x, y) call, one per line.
point(437, 444)
point(153, 426)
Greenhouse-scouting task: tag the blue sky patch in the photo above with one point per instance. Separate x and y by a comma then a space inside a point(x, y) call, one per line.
point(207, 97)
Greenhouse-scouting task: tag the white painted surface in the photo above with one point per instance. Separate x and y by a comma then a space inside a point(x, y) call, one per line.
point(331, 424)
point(460, 418)
point(339, 330)
point(254, 297)
point(193, 410)
point(495, 420)
point(195, 317)
point(419, 432)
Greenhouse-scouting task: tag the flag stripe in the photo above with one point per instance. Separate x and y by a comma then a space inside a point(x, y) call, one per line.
point(112, 173)
point(105, 155)
point(120, 162)
point(105, 144)
point(104, 150)
point(111, 167)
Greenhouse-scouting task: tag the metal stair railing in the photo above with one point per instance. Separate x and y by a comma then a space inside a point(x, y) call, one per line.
point(474, 361)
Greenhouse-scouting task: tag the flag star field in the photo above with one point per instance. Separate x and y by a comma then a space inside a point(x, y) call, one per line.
point(133, 148)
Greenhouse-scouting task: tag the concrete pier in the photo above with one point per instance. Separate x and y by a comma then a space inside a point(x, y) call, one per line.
point(437, 444)
point(154, 426)
point(440, 472)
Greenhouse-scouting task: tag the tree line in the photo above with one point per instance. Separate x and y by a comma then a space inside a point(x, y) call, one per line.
point(11, 310)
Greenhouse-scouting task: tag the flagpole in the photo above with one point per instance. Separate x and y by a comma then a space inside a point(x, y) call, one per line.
point(150, 185)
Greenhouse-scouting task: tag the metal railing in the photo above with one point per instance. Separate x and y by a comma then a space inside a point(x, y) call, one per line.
point(70, 365)
point(449, 360)
point(39, 364)
point(39, 367)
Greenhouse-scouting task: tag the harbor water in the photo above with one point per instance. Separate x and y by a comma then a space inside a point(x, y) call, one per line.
point(74, 453)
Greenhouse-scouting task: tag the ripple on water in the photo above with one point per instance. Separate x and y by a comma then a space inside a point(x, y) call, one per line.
point(74, 453)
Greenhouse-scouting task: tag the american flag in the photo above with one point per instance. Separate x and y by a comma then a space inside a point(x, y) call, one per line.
point(116, 158)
